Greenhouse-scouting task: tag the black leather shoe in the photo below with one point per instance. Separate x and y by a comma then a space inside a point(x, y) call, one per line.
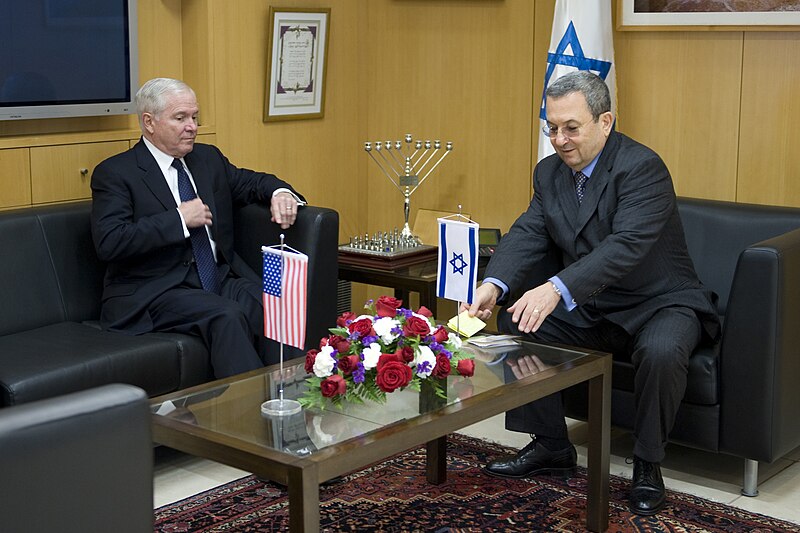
point(535, 459)
point(647, 488)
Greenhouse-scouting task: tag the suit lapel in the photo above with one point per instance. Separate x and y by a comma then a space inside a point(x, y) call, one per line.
point(153, 177)
point(598, 182)
point(565, 192)
point(204, 182)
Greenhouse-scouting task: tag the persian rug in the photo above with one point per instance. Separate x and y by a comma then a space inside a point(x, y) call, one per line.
point(394, 496)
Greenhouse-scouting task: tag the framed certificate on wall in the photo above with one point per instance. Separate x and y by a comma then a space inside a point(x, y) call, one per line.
point(297, 54)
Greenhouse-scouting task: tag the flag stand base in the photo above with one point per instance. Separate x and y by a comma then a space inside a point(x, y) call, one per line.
point(280, 407)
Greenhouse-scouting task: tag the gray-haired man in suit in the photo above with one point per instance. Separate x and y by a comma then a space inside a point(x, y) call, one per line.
point(162, 218)
point(606, 204)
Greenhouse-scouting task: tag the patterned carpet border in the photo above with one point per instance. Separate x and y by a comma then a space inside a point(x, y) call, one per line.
point(394, 496)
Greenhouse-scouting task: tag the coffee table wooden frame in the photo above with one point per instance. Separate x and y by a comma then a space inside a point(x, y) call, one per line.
point(302, 475)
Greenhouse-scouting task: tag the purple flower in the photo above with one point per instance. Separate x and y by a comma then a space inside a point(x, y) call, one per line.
point(424, 368)
point(447, 353)
point(407, 313)
point(397, 330)
point(369, 339)
point(435, 346)
point(359, 372)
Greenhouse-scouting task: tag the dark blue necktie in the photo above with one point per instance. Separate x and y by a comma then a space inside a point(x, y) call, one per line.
point(201, 246)
point(580, 185)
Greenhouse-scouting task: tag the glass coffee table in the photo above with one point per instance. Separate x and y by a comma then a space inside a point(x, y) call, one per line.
point(222, 421)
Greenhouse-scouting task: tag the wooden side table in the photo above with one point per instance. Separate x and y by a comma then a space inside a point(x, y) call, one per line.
point(419, 278)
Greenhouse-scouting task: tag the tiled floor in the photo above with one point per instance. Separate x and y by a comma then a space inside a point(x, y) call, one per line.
point(713, 476)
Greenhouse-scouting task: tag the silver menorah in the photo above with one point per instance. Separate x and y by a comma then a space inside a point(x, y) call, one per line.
point(411, 163)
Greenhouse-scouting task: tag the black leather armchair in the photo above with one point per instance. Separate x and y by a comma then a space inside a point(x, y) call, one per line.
point(742, 396)
point(315, 233)
point(77, 463)
point(50, 288)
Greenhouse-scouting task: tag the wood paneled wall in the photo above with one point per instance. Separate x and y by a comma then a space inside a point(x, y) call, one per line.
point(720, 107)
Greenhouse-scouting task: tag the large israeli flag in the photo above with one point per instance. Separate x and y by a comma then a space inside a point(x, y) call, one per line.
point(458, 260)
point(582, 39)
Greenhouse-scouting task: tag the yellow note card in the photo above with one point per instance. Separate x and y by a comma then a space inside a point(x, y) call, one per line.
point(466, 325)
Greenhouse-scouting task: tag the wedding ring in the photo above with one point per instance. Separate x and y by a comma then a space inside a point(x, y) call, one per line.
point(536, 311)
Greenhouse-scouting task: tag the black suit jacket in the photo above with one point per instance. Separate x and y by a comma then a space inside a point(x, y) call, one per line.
point(622, 252)
point(137, 229)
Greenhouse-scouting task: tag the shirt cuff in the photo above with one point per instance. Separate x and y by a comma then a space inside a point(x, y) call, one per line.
point(566, 296)
point(284, 189)
point(503, 287)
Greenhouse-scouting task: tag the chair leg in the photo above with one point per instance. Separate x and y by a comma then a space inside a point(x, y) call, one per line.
point(750, 487)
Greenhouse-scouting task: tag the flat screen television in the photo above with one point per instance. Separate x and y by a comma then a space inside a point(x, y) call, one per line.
point(67, 58)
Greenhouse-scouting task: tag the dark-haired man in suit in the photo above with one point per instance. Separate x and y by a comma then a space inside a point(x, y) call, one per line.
point(606, 204)
point(162, 218)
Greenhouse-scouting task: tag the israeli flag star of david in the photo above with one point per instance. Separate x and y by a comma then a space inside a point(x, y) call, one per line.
point(582, 39)
point(458, 260)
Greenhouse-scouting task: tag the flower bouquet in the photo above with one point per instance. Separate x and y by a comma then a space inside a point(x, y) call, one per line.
point(373, 354)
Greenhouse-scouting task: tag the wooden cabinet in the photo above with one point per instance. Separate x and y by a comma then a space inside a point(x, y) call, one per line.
point(63, 172)
point(15, 183)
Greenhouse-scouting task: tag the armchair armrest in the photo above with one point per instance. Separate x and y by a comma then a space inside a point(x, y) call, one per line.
point(316, 234)
point(760, 352)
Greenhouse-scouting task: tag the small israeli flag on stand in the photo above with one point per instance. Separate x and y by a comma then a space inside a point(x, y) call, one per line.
point(458, 259)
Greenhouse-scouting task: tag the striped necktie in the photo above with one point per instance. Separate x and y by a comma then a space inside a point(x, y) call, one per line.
point(201, 246)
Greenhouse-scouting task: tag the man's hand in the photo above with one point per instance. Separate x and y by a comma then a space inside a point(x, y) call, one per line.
point(527, 365)
point(284, 209)
point(484, 301)
point(535, 305)
point(195, 213)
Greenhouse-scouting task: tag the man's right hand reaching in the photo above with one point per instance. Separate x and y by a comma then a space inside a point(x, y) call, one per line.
point(485, 299)
point(195, 213)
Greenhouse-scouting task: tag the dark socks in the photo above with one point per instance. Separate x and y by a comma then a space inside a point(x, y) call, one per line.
point(553, 444)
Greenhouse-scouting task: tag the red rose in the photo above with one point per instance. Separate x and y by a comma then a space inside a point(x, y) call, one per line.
point(333, 386)
point(342, 320)
point(388, 358)
point(393, 375)
point(363, 327)
point(442, 368)
point(387, 306)
point(440, 335)
point(340, 344)
point(466, 367)
point(406, 353)
point(348, 363)
point(424, 311)
point(311, 355)
point(416, 326)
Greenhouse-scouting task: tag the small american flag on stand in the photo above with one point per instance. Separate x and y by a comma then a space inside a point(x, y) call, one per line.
point(285, 279)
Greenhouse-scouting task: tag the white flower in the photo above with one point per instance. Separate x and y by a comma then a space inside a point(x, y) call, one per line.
point(454, 340)
point(424, 356)
point(384, 326)
point(361, 317)
point(371, 355)
point(323, 362)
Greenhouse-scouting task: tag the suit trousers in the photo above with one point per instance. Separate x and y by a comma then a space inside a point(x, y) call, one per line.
point(660, 353)
point(231, 323)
